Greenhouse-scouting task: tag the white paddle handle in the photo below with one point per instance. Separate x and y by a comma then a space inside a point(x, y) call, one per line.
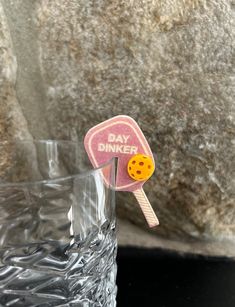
point(146, 207)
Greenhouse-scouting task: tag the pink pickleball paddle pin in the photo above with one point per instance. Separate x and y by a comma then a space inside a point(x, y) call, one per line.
point(121, 137)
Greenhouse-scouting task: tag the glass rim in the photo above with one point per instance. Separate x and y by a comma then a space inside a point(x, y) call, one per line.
point(53, 180)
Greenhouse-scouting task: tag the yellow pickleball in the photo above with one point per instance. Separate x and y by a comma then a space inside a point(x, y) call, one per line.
point(140, 167)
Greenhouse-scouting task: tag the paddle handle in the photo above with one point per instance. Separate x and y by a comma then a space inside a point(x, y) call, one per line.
point(146, 208)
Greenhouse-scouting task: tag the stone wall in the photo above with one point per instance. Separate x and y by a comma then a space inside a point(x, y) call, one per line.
point(66, 65)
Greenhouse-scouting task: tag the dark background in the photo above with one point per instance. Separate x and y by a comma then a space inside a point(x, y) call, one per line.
point(166, 279)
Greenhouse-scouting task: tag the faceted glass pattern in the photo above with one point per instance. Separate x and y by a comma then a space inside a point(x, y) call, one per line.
point(57, 227)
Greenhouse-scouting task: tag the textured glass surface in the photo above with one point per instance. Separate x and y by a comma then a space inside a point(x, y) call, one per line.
point(57, 234)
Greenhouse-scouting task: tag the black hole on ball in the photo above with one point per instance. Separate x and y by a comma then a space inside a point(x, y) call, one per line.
point(133, 162)
point(138, 172)
point(141, 163)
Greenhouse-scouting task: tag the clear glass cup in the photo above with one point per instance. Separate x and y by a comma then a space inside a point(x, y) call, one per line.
point(57, 226)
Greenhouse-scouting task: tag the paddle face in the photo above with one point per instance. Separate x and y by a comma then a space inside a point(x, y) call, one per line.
point(119, 137)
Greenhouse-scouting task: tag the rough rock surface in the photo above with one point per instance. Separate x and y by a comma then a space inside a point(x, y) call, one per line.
point(12, 121)
point(131, 235)
point(170, 65)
